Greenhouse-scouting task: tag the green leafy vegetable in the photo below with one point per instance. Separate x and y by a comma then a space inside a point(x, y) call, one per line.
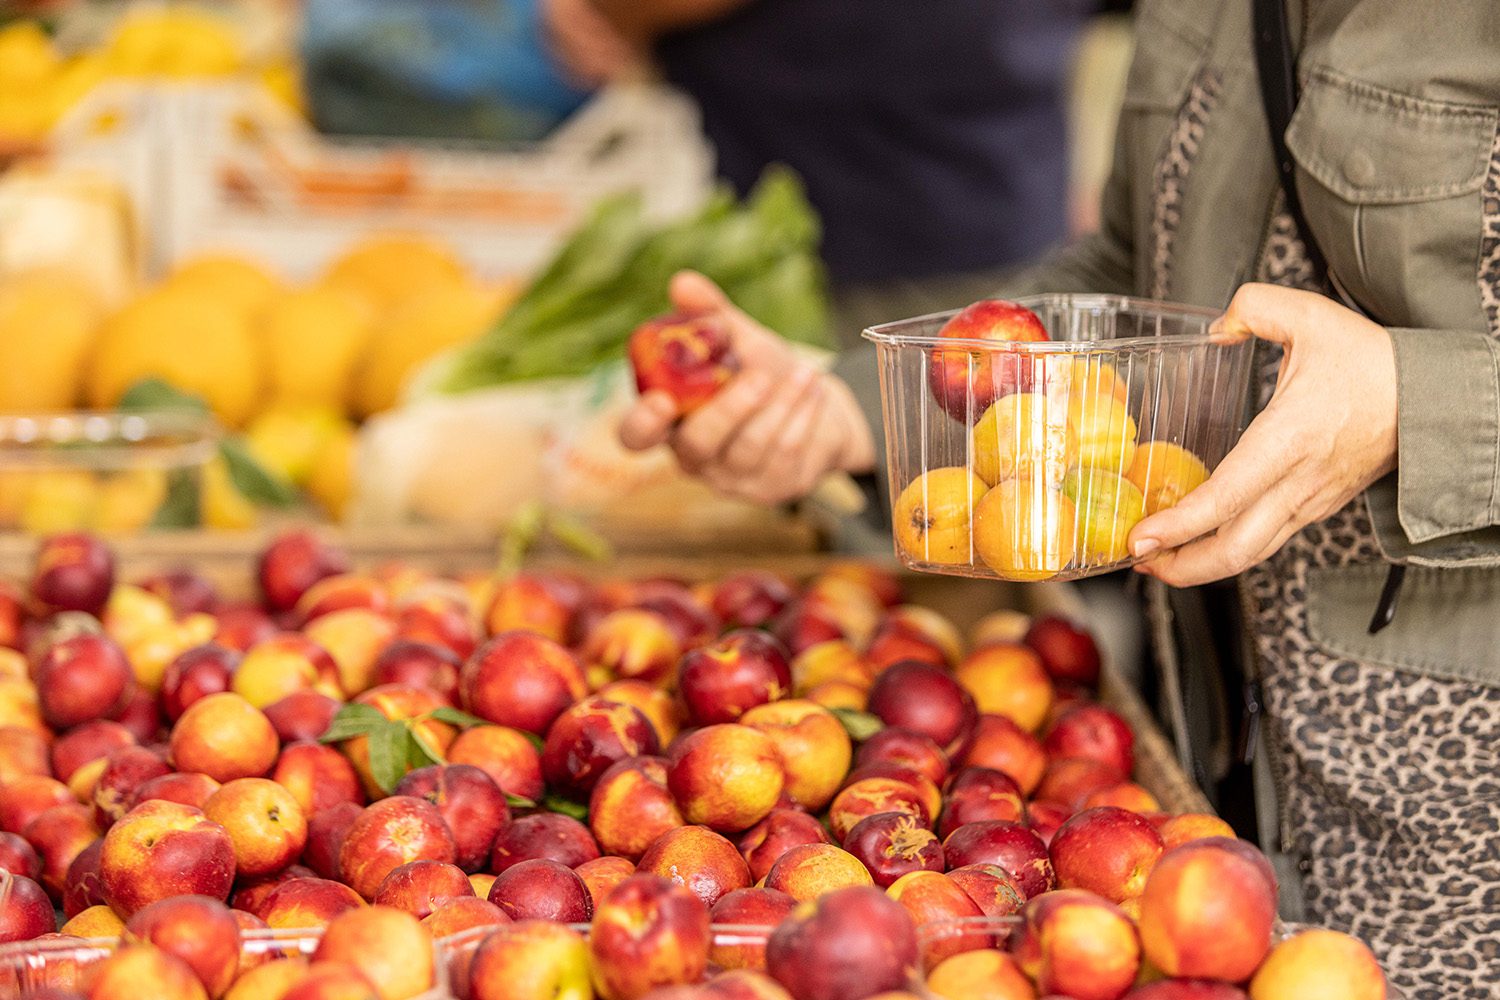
point(613, 275)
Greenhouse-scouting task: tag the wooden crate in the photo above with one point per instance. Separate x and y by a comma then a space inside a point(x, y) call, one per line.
point(228, 560)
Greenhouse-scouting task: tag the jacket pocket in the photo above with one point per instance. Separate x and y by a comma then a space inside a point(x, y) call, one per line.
point(1390, 185)
point(1447, 621)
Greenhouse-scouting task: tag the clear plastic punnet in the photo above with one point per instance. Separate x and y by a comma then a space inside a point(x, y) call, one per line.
point(1033, 459)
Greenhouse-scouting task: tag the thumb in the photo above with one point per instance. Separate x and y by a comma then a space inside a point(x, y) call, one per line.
point(1269, 312)
point(691, 292)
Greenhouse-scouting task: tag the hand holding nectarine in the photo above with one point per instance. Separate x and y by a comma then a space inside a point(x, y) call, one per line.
point(767, 434)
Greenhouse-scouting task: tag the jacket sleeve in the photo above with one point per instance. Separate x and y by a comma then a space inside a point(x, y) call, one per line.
point(1442, 505)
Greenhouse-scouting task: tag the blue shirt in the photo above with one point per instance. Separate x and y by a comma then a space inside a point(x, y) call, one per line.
point(930, 133)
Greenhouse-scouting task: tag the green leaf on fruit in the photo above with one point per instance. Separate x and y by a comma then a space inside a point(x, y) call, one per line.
point(421, 753)
point(454, 717)
point(158, 394)
point(567, 807)
point(251, 479)
point(353, 720)
point(580, 539)
point(390, 755)
point(535, 740)
point(519, 802)
point(859, 725)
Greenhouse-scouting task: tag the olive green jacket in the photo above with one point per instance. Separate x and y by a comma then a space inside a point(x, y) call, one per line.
point(1398, 165)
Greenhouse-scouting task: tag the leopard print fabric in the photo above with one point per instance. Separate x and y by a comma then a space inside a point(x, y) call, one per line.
point(1390, 780)
point(1489, 241)
point(1169, 181)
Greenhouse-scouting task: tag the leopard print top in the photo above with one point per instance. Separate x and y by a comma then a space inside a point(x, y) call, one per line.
point(1389, 780)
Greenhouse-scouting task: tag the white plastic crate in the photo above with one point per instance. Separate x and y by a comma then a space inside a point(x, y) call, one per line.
point(227, 167)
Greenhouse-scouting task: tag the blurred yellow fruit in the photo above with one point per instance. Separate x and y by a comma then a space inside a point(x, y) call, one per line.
point(190, 339)
point(27, 56)
point(283, 79)
point(59, 500)
point(387, 270)
point(176, 42)
point(230, 278)
point(156, 648)
point(413, 334)
point(332, 481)
point(79, 75)
point(129, 500)
point(132, 613)
point(314, 338)
point(48, 321)
point(222, 506)
point(287, 438)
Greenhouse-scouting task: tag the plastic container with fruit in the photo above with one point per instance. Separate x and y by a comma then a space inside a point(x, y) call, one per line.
point(69, 965)
point(109, 472)
point(1026, 439)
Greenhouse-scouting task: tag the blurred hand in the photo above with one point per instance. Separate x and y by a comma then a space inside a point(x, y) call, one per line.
point(775, 429)
point(588, 46)
point(1328, 433)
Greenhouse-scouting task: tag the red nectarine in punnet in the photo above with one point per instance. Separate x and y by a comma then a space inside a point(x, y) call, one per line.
point(892, 845)
point(1207, 912)
point(1107, 851)
point(543, 835)
point(965, 382)
point(727, 777)
point(124, 974)
point(542, 890)
point(765, 842)
point(1010, 846)
point(162, 849)
point(848, 945)
point(631, 806)
point(1075, 944)
point(470, 803)
point(747, 908)
point(25, 910)
point(299, 903)
point(81, 678)
point(463, 913)
point(649, 932)
point(698, 858)
point(521, 680)
point(1319, 963)
point(389, 947)
point(588, 738)
point(73, 572)
point(935, 901)
point(419, 887)
point(985, 974)
point(530, 960)
point(198, 930)
point(813, 870)
point(388, 834)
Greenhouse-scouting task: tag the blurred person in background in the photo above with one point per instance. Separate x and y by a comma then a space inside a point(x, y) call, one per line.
point(1365, 483)
point(932, 138)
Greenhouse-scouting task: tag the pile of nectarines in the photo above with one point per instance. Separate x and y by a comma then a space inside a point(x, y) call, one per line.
point(598, 782)
point(1053, 476)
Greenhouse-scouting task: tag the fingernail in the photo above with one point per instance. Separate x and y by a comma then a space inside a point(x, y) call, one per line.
point(1145, 547)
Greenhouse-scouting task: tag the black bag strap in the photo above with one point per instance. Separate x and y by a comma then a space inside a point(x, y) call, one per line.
point(1279, 92)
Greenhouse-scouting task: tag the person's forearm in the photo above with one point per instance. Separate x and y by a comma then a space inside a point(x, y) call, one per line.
point(644, 20)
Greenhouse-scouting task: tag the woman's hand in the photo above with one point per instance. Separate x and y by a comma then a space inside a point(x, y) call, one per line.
point(775, 429)
point(1328, 433)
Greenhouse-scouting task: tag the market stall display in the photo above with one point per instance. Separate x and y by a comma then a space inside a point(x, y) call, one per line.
point(371, 749)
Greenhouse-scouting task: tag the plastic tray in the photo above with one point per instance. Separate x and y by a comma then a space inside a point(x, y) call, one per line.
point(1032, 461)
point(109, 472)
point(455, 953)
point(968, 933)
point(63, 963)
